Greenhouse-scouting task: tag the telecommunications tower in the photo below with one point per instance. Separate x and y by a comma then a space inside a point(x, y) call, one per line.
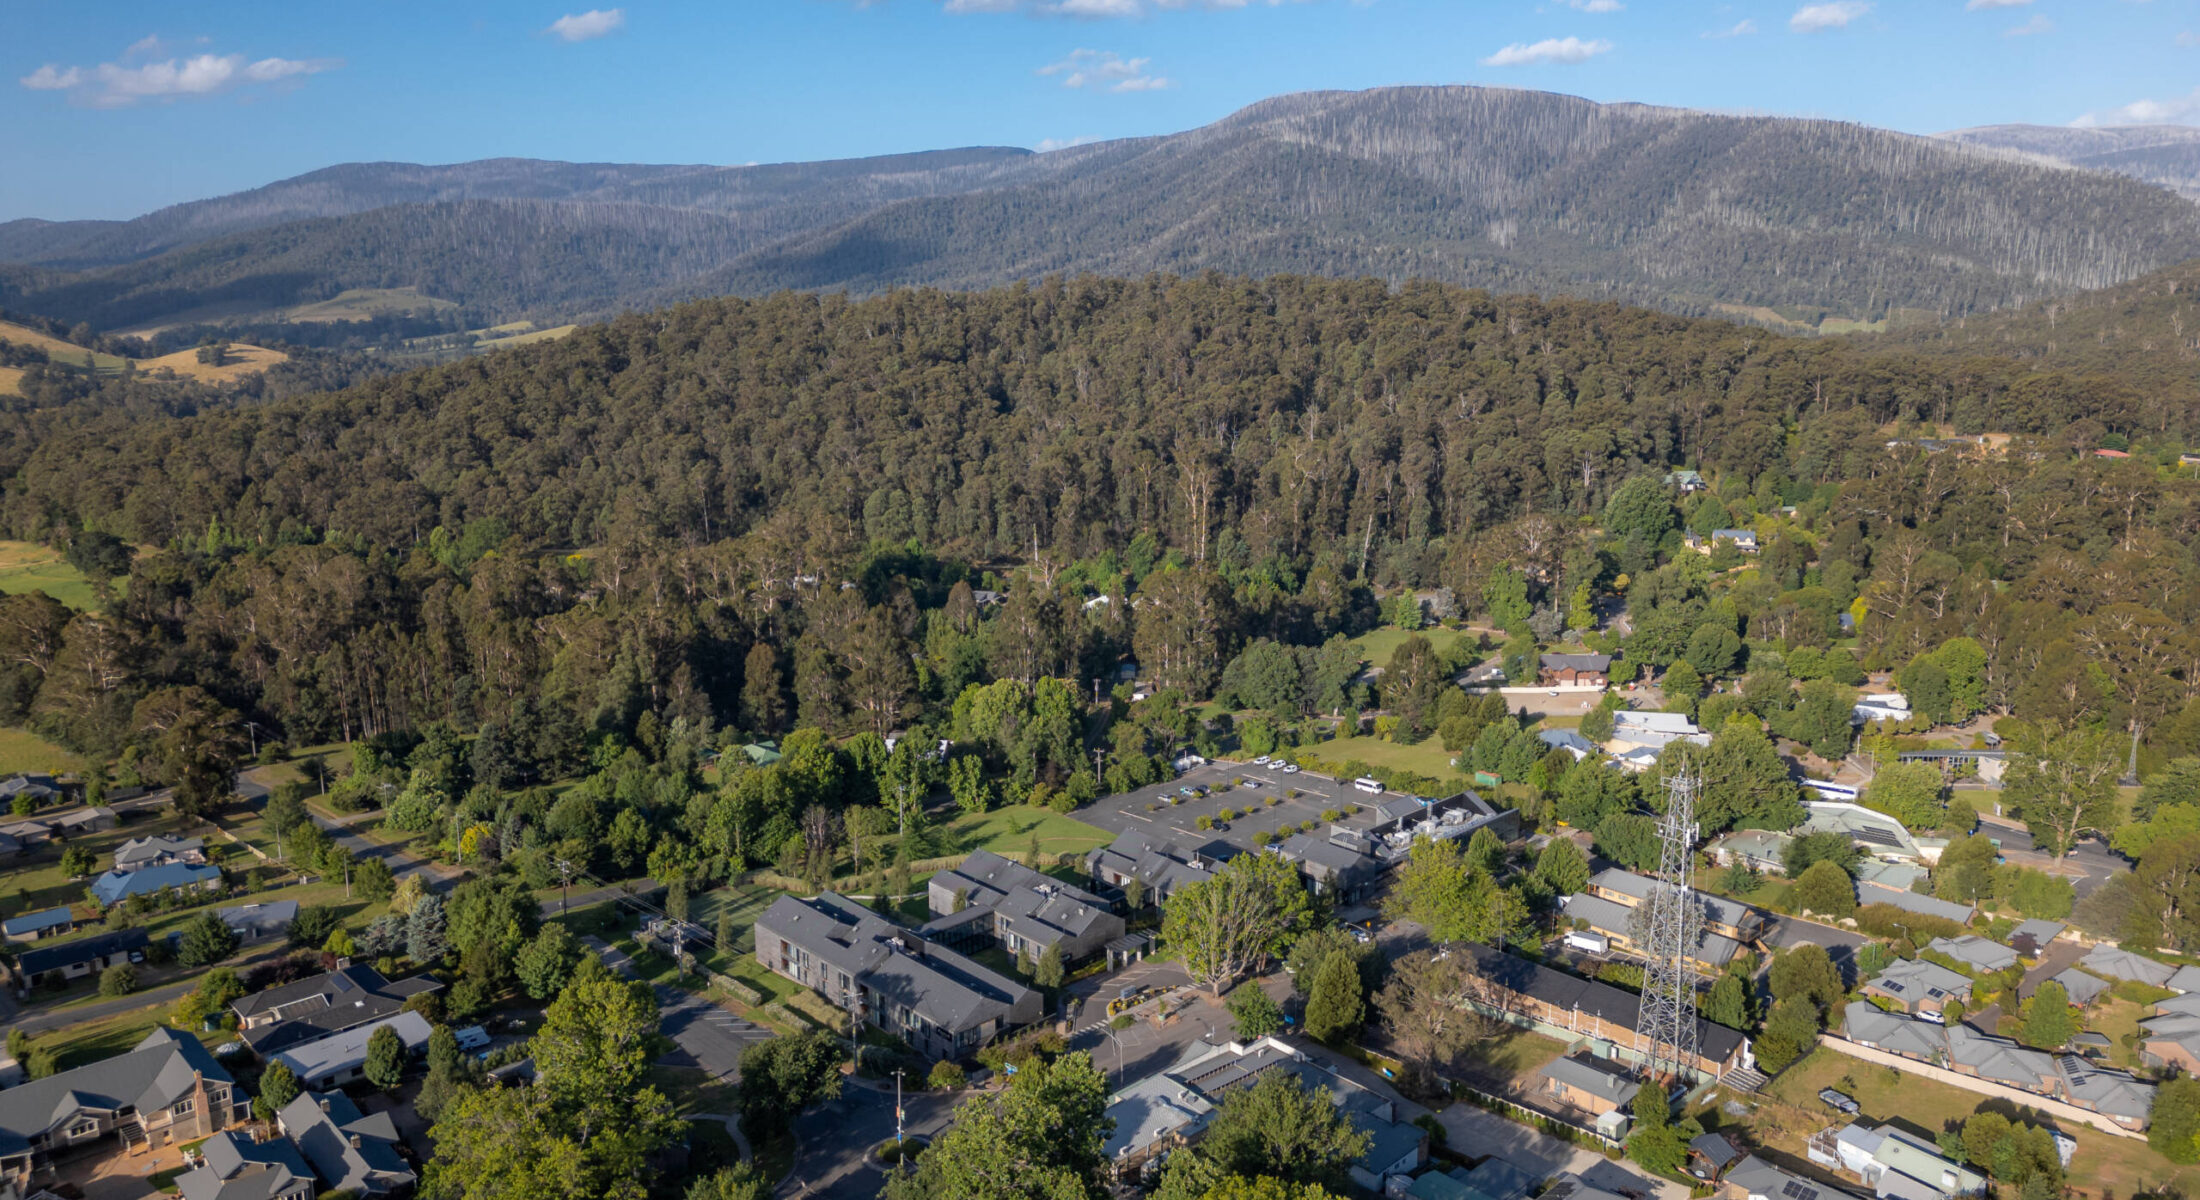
point(1665, 1033)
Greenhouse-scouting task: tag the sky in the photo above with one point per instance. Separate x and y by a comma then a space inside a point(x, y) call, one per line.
point(122, 106)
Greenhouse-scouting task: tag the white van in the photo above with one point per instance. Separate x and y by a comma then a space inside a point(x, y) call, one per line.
point(473, 1037)
point(1368, 785)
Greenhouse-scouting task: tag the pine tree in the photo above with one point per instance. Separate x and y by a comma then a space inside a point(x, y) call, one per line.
point(1336, 1006)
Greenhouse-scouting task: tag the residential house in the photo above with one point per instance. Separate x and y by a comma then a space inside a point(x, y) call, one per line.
point(2082, 988)
point(1919, 986)
point(10, 846)
point(45, 923)
point(2001, 1061)
point(42, 789)
point(1868, 1024)
point(1758, 849)
point(1709, 955)
point(158, 850)
point(1161, 867)
point(234, 1167)
point(2031, 938)
point(259, 922)
point(1019, 909)
point(1173, 1106)
point(1727, 918)
point(167, 1090)
point(2118, 963)
point(117, 886)
point(1654, 730)
point(1895, 1163)
point(1687, 481)
point(2171, 1040)
point(1551, 1002)
point(57, 964)
point(2187, 979)
point(1975, 954)
point(941, 1003)
point(348, 1150)
point(1589, 1084)
point(2113, 1094)
point(79, 821)
point(1745, 540)
point(1755, 1179)
point(1921, 903)
point(1569, 741)
point(340, 1058)
point(310, 1009)
point(27, 834)
point(1574, 670)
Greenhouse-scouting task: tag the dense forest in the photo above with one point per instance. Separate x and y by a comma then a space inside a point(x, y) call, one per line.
point(1511, 190)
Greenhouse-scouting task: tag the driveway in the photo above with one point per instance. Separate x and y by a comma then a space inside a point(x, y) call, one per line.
point(703, 1034)
point(2060, 957)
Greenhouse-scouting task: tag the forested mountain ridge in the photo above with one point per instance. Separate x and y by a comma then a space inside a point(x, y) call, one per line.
point(1342, 419)
point(1513, 190)
point(2168, 155)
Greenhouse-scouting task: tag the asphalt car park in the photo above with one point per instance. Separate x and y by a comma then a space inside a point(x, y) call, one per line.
point(1165, 810)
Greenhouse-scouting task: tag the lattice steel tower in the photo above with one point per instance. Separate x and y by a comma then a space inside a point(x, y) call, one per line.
point(1665, 1034)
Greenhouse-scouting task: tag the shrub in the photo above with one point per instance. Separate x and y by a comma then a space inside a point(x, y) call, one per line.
point(1122, 1021)
point(1306, 826)
point(947, 1076)
point(1330, 814)
point(1263, 838)
point(1204, 823)
point(118, 980)
point(1353, 810)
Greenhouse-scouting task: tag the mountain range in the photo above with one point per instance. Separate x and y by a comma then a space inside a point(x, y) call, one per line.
point(2168, 155)
point(1784, 220)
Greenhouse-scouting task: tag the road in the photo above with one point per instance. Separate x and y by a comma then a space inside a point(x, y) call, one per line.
point(838, 1166)
point(634, 887)
point(1480, 1131)
point(37, 1021)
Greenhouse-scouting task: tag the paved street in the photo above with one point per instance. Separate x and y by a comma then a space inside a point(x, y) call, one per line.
point(1480, 1131)
point(705, 1035)
point(834, 1160)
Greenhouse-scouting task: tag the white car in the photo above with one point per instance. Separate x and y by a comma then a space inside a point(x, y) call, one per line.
point(1290, 768)
point(1262, 761)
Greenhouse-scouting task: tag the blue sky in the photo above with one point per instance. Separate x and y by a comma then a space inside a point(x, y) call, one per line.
point(121, 106)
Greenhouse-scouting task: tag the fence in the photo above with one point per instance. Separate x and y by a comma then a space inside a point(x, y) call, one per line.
point(1984, 1087)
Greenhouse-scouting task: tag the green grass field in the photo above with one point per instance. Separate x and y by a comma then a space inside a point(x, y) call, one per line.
point(746, 901)
point(76, 1045)
point(1006, 830)
point(24, 752)
point(1427, 758)
point(30, 567)
point(1377, 645)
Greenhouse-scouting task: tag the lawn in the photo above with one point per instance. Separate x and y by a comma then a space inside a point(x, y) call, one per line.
point(75, 1045)
point(1426, 758)
point(2104, 1165)
point(1512, 1055)
point(1009, 830)
point(2117, 1017)
point(1377, 645)
point(690, 1089)
point(24, 752)
point(746, 902)
point(30, 567)
point(46, 884)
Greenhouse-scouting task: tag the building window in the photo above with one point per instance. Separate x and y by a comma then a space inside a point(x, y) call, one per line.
point(183, 1107)
point(83, 1129)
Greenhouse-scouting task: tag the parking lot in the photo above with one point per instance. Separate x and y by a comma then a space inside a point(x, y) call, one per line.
point(1162, 809)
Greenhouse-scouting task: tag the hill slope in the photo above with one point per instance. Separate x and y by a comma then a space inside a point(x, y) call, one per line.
point(1506, 189)
point(2168, 155)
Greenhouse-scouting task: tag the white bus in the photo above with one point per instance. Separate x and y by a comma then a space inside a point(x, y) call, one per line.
point(1832, 791)
point(1368, 784)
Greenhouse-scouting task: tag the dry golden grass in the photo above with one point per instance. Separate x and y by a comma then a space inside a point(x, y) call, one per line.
point(24, 335)
point(243, 360)
point(11, 380)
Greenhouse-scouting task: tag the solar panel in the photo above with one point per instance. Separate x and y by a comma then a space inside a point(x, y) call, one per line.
point(1796, 1189)
point(1877, 837)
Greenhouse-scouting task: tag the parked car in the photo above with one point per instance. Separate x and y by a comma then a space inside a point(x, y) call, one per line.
point(1261, 761)
point(1838, 1102)
point(1290, 768)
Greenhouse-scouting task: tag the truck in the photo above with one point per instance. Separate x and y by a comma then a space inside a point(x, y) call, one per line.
point(1592, 943)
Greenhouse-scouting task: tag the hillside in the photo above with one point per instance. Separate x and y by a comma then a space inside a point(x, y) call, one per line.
point(1513, 190)
point(1068, 411)
point(2144, 331)
point(2168, 155)
point(240, 360)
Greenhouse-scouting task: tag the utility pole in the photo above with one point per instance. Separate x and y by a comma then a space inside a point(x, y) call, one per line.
point(565, 882)
point(1665, 1035)
point(897, 1114)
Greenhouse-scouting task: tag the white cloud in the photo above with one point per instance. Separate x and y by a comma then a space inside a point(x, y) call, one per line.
point(1082, 139)
point(2177, 110)
point(2038, 24)
point(1741, 28)
point(51, 78)
point(2188, 39)
point(1979, 5)
point(588, 26)
point(129, 81)
point(1549, 50)
point(1594, 6)
point(1106, 70)
point(1835, 14)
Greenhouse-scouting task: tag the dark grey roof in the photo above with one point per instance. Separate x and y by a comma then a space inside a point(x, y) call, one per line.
point(946, 989)
point(1915, 979)
point(1161, 864)
point(2113, 1092)
point(1601, 1000)
point(1594, 1076)
point(1978, 953)
point(1500, 1180)
point(40, 959)
point(2082, 988)
point(42, 786)
point(260, 920)
point(1327, 856)
point(234, 1167)
point(155, 847)
point(1715, 1148)
point(1760, 1178)
point(155, 1074)
point(334, 1001)
point(324, 1124)
point(1577, 662)
point(1718, 908)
